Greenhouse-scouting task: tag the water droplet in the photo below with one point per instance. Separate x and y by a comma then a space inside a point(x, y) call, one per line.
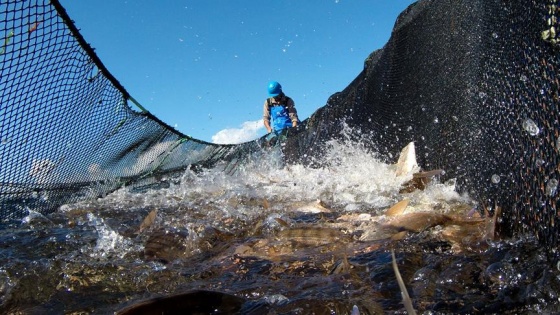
point(482, 95)
point(531, 127)
point(455, 118)
point(551, 187)
point(436, 120)
point(539, 162)
point(523, 78)
point(494, 34)
point(499, 273)
point(495, 179)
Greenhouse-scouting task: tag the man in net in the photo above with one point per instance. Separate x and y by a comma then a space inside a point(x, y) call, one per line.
point(280, 114)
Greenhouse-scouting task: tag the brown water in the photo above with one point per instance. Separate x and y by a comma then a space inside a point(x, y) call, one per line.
point(258, 243)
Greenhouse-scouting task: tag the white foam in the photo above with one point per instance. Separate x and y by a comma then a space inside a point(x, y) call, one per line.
point(352, 179)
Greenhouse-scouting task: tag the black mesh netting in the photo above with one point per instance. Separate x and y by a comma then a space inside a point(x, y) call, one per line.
point(67, 131)
point(475, 85)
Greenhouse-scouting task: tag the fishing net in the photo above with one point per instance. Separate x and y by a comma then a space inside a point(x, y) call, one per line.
point(67, 129)
point(475, 85)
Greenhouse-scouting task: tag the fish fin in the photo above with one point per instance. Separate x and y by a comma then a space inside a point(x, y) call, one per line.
point(148, 221)
point(399, 236)
point(398, 208)
point(407, 160)
point(282, 222)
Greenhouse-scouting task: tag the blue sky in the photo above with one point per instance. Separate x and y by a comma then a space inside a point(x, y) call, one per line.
point(203, 66)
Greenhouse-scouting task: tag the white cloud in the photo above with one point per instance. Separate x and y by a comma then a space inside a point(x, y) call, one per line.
point(249, 131)
point(150, 158)
point(42, 170)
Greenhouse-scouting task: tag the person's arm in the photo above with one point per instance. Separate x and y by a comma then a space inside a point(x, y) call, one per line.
point(266, 117)
point(292, 112)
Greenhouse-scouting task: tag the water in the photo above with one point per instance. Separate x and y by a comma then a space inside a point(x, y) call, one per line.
point(274, 239)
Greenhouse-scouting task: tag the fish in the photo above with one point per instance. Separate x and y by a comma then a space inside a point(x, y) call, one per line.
point(355, 217)
point(148, 221)
point(398, 208)
point(407, 164)
point(417, 221)
point(166, 246)
point(420, 180)
point(282, 222)
point(312, 235)
point(457, 226)
point(313, 207)
point(407, 160)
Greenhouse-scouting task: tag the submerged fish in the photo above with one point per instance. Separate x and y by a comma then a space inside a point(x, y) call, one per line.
point(312, 207)
point(166, 246)
point(148, 221)
point(417, 221)
point(313, 235)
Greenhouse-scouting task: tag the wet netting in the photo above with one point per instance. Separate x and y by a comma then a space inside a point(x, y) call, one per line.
point(475, 85)
point(488, 115)
point(67, 129)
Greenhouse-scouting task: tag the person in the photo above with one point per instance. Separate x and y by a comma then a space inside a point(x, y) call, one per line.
point(279, 110)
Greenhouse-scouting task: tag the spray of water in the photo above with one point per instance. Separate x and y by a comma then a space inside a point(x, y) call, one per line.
point(352, 179)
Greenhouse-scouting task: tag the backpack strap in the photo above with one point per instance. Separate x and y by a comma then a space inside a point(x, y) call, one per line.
point(283, 101)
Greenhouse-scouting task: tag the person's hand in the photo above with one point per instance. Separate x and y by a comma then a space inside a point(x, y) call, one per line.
point(270, 136)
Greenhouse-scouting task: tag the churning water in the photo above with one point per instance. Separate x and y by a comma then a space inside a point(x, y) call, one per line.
point(275, 239)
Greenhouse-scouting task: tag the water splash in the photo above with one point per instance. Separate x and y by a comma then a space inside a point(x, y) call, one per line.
point(109, 242)
point(34, 217)
point(351, 178)
point(531, 127)
point(6, 285)
point(551, 187)
point(277, 299)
